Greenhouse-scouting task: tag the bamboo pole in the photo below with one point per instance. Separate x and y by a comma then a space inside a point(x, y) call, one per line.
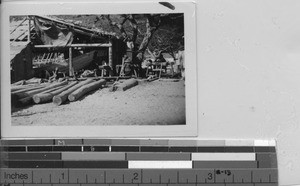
point(86, 89)
point(62, 97)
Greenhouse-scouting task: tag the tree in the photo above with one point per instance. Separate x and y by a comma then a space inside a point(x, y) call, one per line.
point(139, 31)
point(167, 40)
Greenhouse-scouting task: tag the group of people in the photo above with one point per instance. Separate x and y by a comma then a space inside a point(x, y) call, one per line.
point(178, 65)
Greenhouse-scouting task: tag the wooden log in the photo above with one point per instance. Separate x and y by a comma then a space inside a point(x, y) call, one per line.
point(27, 89)
point(20, 87)
point(62, 97)
point(21, 82)
point(170, 80)
point(24, 101)
point(46, 97)
point(51, 90)
point(152, 79)
point(23, 87)
point(29, 99)
point(86, 89)
point(19, 94)
point(127, 84)
point(33, 92)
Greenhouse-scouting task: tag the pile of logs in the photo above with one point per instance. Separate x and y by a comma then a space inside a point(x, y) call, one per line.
point(59, 92)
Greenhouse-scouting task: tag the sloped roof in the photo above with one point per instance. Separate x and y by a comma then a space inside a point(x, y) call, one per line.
point(88, 23)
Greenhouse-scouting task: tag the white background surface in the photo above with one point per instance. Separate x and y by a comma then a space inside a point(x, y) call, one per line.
point(249, 75)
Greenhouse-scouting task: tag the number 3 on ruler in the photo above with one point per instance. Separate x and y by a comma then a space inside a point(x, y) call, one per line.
point(210, 176)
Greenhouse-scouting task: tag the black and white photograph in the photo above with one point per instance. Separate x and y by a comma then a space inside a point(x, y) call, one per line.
point(124, 69)
point(87, 69)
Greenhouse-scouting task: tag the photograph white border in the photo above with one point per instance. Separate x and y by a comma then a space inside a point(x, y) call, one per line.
point(56, 8)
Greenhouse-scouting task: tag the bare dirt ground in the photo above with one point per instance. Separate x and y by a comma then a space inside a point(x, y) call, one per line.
point(151, 103)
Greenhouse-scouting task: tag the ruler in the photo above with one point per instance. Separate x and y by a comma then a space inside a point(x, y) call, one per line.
point(110, 162)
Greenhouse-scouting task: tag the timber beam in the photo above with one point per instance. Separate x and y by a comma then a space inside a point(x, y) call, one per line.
point(76, 45)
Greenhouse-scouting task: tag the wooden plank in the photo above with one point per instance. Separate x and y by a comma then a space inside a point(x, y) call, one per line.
point(86, 89)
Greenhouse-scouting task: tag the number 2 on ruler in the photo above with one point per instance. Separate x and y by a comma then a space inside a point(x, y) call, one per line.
point(135, 176)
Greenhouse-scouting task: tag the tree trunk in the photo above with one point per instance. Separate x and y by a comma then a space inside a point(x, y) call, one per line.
point(62, 97)
point(29, 98)
point(24, 101)
point(33, 92)
point(127, 84)
point(151, 27)
point(45, 97)
point(23, 87)
point(86, 89)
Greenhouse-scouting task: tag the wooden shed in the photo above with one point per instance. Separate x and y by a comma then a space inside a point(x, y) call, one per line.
point(54, 42)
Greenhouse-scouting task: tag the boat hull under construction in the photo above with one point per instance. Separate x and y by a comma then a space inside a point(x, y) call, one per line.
point(78, 63)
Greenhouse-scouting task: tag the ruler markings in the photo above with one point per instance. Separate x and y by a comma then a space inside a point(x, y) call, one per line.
point(60, 148)
point(265, 172)
point(68, 175)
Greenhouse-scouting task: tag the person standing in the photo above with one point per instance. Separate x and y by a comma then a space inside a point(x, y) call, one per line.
point(181, 63)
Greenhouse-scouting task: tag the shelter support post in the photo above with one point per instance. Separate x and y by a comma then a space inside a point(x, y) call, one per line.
point(71, 71)
point(110, 55)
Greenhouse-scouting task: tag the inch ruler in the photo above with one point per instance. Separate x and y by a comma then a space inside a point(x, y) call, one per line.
point(112, 162)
